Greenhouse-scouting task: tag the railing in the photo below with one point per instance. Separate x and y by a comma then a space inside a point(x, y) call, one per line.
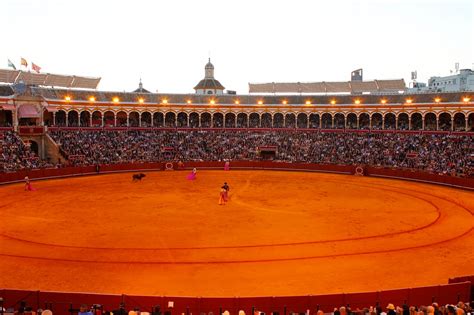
point(331, 130)
point(30, 130)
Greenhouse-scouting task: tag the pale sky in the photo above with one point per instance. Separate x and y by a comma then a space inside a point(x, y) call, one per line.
point(167, 43)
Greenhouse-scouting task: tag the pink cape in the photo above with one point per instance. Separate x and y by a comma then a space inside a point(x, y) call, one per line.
point(29, 187)
point(191, 176)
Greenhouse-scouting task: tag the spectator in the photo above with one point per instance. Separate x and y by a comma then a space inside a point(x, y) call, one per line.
point(83, 310)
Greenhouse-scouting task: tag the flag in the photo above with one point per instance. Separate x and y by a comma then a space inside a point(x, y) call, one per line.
point(24, 62)
point(11, 65)
point(35, 67)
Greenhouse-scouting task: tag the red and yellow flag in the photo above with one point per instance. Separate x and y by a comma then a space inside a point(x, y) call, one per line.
point(35, 67)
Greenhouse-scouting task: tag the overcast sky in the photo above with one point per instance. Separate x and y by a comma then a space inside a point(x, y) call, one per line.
point(167, 43)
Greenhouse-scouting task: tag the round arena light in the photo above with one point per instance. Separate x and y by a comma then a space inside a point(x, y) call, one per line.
point(212, 102)
point(260, 102)
point(466, 99)
point(408, 101)
point(284, 102)
point(333, 102)
point(357, 102)
point(92, 99)
point(437, 100)
point(308, 103)
point(164, 101)
point(383, 101)
point(116, 100)
point(237, 102)
point(188, 101)
point(67, 98)
point(141, 100)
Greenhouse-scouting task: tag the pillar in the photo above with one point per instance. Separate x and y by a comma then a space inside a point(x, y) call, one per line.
point(42, 117)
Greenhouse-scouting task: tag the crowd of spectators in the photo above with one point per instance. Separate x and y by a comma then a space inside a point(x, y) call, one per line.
point(16, 155)
point(434, 309)
point(436, 153)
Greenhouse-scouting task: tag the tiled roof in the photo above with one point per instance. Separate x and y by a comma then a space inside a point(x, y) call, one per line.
point(209, 84)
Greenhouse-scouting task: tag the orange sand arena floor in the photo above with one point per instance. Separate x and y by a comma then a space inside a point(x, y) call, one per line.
point(282, 233)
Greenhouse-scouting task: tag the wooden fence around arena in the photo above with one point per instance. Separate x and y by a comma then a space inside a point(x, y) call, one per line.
point(62, 302)
point(414, 175)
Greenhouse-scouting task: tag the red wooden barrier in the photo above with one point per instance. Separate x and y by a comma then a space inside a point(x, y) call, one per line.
point(462, 279)
point(460, 182)
point(61, 301)
point(459, 292)
point(361, 300)
point(396, 297)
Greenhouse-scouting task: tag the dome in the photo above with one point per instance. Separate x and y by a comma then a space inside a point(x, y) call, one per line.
point(209, 65)
point(207, 83)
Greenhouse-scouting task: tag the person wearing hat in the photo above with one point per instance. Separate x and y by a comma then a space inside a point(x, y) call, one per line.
point(227, 188)
point(391, 309)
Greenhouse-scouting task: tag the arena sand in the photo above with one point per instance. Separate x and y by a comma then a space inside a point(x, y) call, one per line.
point(281, 233)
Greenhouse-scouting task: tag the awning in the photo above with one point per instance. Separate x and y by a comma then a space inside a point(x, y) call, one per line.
point(8, 107)
point(51, 109)
point(28, 111)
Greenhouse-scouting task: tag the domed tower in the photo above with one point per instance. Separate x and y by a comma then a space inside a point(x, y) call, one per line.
point(209, 85)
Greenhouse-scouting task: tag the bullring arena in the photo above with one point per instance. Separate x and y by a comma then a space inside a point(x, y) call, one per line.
point(296, 232)
point(358, 199)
